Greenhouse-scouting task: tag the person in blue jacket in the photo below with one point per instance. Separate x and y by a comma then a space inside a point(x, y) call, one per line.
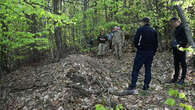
point(146, 43)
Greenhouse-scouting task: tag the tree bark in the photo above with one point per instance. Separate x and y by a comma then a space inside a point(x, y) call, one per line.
point(84, 19)
point(106, 11)
point(186, 24)
point(124, 3)
point(58, 30)
point(3, 52)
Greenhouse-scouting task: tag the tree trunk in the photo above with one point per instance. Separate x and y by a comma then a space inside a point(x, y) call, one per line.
point(34, 27)
point(106, 11)
point(186, 24)
point(156, 2)
point(3, 52)
point(84, 20)
point(58, 30)
point(124, 3)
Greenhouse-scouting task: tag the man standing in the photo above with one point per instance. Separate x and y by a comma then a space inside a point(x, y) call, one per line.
point(146, 43)
point(102, 44)
point(179, 56)
point(110, 34)
point(122, 35)
point(117, 42)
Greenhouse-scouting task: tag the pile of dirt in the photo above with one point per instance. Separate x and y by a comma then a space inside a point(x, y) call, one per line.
point(74, 82)
point(80, 82)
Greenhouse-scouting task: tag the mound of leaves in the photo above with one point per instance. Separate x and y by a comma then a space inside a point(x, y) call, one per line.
point(74, 82)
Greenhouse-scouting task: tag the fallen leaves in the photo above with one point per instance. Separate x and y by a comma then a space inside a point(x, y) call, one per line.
point(81, 82)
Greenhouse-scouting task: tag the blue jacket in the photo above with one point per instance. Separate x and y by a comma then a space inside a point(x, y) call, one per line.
point(146, 39)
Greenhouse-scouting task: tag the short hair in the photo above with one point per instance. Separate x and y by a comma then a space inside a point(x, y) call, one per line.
point(174, 19)
point(146, 20)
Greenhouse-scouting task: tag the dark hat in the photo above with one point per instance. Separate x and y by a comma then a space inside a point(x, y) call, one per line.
point(174, 19)
point(146, 20)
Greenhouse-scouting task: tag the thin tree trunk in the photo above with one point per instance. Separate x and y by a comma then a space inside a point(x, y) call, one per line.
point(73, 35)
point(157, 27)
point(124, 3)
point(3, 51)
point(186, 24)
point(84, 19)
point(106, 11)
point(58, 30)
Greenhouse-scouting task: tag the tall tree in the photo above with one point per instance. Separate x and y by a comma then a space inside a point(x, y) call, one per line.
point(85, 2)
point(58, 29)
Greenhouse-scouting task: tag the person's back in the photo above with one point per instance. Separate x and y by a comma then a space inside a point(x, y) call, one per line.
point(146, 39)
point(110, 36)
point(117, 37)
point(146, 43)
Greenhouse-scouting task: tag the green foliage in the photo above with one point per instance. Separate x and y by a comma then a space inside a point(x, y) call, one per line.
point(100, 107)
point(172, 102)
point(119, 107)
point(173, 92)
point(182, 96)
point(189, 49)
point(26, 25)
point(187, 107)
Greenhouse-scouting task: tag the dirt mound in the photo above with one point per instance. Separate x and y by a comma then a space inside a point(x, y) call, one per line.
point(74, 80)
point(80, 82)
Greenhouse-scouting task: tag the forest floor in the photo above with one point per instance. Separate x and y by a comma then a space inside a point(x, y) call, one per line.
point(82, 81)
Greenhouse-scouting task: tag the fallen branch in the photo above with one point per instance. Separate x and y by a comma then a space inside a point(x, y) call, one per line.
point(27, 88)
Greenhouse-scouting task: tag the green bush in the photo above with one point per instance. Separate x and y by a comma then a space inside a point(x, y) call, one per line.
point(176, 94)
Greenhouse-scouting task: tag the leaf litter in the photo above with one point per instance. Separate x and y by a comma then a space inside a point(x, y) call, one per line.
point(81, 81)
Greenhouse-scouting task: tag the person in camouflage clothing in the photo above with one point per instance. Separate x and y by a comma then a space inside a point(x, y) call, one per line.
point(118, 41)
point(102, 44)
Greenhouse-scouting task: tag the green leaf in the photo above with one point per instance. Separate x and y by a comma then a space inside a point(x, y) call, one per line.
point(100, 107)
point(170, 102)
point(182, 105)
point(182, 96)
point(173, 92)
point(119, 107)
point(187, 107)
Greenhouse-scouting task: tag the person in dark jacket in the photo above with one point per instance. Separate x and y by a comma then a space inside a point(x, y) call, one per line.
point(179, 56)
point(146, 43)
point(102, 44)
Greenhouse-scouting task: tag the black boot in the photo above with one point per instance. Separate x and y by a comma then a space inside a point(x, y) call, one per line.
point(172, 81)
point(146, 87)
point(181, 82)
point(131, 88)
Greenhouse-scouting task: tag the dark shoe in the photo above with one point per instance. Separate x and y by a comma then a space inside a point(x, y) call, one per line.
point(131, 88)
point(181, 82)
point(172, 81)
point(100, 56)
point(146, 87)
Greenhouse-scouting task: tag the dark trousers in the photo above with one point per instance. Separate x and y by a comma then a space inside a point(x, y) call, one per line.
point(110, 44)
point(142, 58)
point(179, 58)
